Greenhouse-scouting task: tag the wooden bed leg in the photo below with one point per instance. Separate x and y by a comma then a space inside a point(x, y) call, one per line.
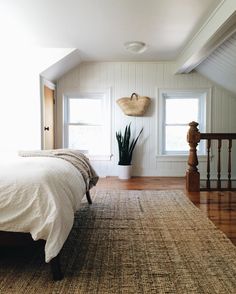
point(89, 197)
point(56, 269)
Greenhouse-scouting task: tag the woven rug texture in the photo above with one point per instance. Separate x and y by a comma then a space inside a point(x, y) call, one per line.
point(132, 242)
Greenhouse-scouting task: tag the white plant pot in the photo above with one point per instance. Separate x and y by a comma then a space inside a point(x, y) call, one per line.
point(124, 172)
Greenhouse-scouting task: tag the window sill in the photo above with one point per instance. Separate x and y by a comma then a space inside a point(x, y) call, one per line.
point(179, 158)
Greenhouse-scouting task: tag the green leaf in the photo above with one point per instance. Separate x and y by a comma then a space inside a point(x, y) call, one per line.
point(125, 147)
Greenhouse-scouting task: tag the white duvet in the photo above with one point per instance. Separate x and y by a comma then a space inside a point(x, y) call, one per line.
point(39, 195)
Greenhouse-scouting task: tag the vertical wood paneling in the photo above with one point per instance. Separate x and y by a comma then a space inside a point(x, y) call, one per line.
point(145, 78)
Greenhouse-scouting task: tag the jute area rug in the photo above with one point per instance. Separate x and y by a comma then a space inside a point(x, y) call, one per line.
point(133, 242)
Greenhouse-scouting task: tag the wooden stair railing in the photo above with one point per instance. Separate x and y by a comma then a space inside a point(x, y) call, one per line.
point(192, 174)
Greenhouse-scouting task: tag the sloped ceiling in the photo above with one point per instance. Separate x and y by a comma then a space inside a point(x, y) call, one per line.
point(99, 29)
point(57, 70)
point(220, 66)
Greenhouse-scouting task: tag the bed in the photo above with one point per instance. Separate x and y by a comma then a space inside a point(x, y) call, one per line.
point(39, 194)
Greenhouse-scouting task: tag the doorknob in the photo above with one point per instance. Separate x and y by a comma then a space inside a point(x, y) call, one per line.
point(46, 128)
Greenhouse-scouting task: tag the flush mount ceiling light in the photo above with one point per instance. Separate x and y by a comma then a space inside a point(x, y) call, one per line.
point(135, 47)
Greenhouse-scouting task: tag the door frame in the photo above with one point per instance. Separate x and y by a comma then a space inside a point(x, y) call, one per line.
point(52, 86)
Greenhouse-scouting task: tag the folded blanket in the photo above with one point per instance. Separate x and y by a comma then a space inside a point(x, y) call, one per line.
point(75, 157)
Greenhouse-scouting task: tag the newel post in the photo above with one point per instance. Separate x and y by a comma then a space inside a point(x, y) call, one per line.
point(192, 174)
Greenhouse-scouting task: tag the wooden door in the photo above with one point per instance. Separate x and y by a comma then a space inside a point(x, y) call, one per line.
point(48, 126)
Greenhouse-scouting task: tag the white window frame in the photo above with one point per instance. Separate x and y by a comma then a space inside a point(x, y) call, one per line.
point(105, 96)
point(204, 96)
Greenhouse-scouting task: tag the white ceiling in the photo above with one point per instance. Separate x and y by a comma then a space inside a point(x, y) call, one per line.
point(98, 28)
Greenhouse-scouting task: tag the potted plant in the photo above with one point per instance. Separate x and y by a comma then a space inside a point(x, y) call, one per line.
point(126, 147)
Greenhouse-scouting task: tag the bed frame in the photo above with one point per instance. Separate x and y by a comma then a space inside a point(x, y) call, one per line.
point(23, 239)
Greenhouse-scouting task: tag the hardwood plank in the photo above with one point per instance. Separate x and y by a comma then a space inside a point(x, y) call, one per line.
point(220, 207)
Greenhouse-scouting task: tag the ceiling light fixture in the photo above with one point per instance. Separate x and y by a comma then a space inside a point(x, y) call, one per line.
point(135, 47)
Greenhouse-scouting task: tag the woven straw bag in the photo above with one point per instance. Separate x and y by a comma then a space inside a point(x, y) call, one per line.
point(134, 105)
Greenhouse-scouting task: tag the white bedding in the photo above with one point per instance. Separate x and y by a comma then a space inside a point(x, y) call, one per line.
point(39, 195)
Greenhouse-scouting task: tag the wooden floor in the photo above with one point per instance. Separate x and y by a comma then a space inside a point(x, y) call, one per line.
point(220, 207)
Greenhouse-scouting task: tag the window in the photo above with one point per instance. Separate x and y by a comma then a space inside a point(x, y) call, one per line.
point(176, 110)
point(87, 123)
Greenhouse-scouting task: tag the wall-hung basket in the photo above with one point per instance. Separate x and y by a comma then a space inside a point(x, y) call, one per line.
point(134, 105)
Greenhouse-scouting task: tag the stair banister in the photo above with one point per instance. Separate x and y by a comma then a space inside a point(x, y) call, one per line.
point(192, 174)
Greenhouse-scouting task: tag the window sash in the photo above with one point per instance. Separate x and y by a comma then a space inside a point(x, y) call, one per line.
point(166, 151)
point(86, 138)
point(201, 96)
point(183, 99)
point(85, 120)
point(105, 124)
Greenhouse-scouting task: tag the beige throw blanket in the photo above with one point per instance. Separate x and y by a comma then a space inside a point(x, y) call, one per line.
point(76, 158)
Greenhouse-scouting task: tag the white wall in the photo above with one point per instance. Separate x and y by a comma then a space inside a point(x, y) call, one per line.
point(20, 94)
point(144, 78)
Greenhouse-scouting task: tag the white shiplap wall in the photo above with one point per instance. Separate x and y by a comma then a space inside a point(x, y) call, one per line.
point(144, 78)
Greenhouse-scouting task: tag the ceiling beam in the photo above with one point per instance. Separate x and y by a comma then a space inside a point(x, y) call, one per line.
point(219, 26)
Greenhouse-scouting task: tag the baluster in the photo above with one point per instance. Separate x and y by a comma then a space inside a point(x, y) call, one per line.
point(192, 174)
point(208, 164)
point(219, 165)
point(229, 165)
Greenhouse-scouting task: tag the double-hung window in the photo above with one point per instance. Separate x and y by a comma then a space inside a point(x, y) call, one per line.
point(87, 123)
point(177, 110)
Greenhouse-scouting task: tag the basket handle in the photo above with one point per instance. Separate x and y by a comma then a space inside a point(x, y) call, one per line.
point(134, 94)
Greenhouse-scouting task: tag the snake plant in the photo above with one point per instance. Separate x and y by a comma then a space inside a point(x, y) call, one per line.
point(126, 145)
